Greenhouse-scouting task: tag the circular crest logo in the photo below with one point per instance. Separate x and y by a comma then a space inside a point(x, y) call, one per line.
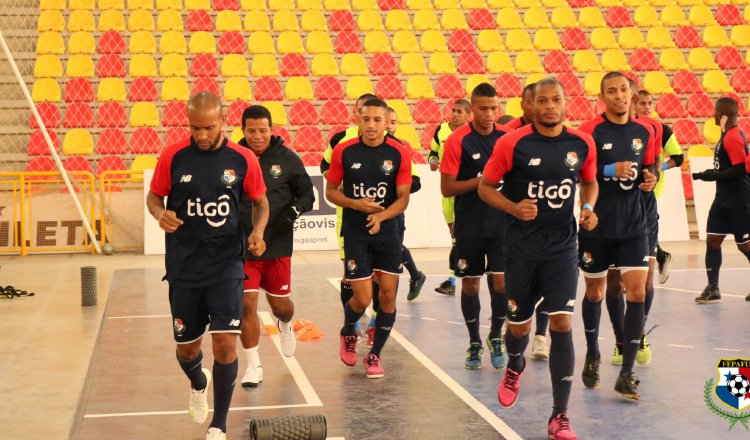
point(275, 170)
point(351, 265)
point(512, 306)
point(387, 166)
point(637, 145)
point(571, 159)
point(462, 265)
point(179, 327)
point(587, 259)
point(229, 177)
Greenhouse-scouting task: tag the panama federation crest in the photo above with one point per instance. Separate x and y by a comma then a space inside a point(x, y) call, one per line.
point(179, 327)
point(387, 166)
point(512, 306)
point(229, 177)
point(461, 264)
point(637, 145)
point(571, 159)
point(586, 258)
point(275, 170)
point(351, 265)
point(729, 398)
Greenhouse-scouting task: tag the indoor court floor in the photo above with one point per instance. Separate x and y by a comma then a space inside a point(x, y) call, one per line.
point(109, 371)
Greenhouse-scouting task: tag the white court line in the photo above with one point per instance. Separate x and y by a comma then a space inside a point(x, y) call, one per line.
point(169, 413)
point(428, 319)
point(484, 412)
point(405, 316)
point(703, 270)
point(680, 346)
point(139, 316)
point(696, 291)
point(454, 322)
point(726, 349)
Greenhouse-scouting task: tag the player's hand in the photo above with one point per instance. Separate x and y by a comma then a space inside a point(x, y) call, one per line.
point(373, 223)
point(649, 181)
point(588, 220)
point(434, 163)
point(526, 210)
point(368, 205)
point(624, 170)
point(168, 221)
point(256, 245)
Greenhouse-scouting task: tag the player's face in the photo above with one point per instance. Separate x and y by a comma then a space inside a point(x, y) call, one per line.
point(358, 110)
point(257, 134)
point(372, 125)
point(549, 105)
point(206, 128)
point(459, 115)
point(644, 105)
point(527, 105)
point(484, 111)
point(616, 95)
point(391, 123)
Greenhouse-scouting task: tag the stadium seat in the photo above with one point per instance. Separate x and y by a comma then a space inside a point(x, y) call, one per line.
point(111, 163)
point(143, 162)
point(699, 105)
point(383, 64)
point(175, 89)
point(591, 17)
point(303, 113)
point(318, 42)
point(204, 65)
point(48, 66)
point(687, 37)
point(614, 60)
point(480, 19)
point(557, 61)
point(268, 89)
point(673, 15)
point(111, 4)
point(145, 141)
point(298, 87)
point(433, 41)
point(277, 113)
point(144, 114)
point(311, 159)
point(140, 4)
point(81, 4)
point(741, 81)
point(293, 64)
point(205, 84)
point(168, 4)
point(715, 36)
point(49, 113)
point(453, 19)
point(418, 4)
point(357, 86)
point(427, 134)
point(175, 114)
point(141, 20)
point(202, 42)
point(729, 58)
point(405, 41)
point(79, 66)
point(328, 87)
point(687, 132)
point(265, 65)
point(579, 109)
point(472, 62)
point(408, 133)
point(111, 43)
point(111, 89)
point(192, 5)
point(143, 89)
point(237, 89)
point(77, 141)
point(508, 85)
point(334, 112)
point(701, 15)
point(341, 21)
point(575, 39)
point(279, 5)
point(670, 106)
point(112, 141)
point(324, 65)
point(729, 15)
point(441, 62)
point(173, 65)
point(257, 21)
point(643, 60)
point(659, 37)
point(535, 18)
point(110, 66)
point(517, 40)
point(234, 113)
point(111, 20)
point(46, 90)
point(308, 139)
point(41, 164)
point(377, 41)
point(426, 20)
point(657, 83)
point(446, 4)
point(358, 5)
point(77, 163)
point(353, 64)
point(631, 38)
point(50, 43)
point(234, 65)
point(646, 16)
point(714, 81)
point(347, 42)
point(711, 131)
point(81, 20)
point(81, 43)
point(490, 41)
point(389, 87)
point(228, 21)
point(144, 42)
point(586, 61)
point(397, 20)
point(509, 18)
point(603, 38)
point(419, 87)
point(460, 41)
point(57, 5)
point(741, 35)
point(111, 114)
point(546, 39)
point(427, 111)
point(672, 59)
point(527, 61)
point(449, 86)
point(370, 21)
point(260, 43)
point(592, 83)
point(571, 83)
point(563, 17)
point(231, 42)
point(500, 62)
point(78, 90)
point(313, 20)
point(685, 82)
point(474, 80)
point(412, 64)
point(284, 21)
point(701, 58)
point(513, 107)
point(171, 20)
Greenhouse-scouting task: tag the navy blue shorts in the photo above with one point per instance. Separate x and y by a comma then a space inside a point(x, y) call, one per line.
point(596, 255)
point(548, 285)
point(726, 221)
point(475, 256)
point(363, 257)
point(193, 308)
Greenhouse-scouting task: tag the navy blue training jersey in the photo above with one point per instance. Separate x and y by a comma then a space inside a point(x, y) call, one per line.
point(465, 155)
point(620, 206)
point(204, 188)
point(731, 150)
point(369, 172)
point(545, 169)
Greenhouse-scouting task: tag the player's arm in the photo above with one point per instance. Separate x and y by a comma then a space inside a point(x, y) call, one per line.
point(674, 150)
point(589, 189)
point(735, 149)
point(499, 164)
point(449, 184)
point(396, 208)
point(167, 219)
point(302, 187)
point(434, 157)
point(334, 177)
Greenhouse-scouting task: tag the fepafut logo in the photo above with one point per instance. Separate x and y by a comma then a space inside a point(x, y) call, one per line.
point(732, 390)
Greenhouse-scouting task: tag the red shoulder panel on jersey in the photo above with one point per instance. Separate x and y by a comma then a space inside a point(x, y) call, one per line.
point(161, 183)
point(590, 125)
point(452, 151)
point(501, 160)
point(335, 173)
point(735, 145)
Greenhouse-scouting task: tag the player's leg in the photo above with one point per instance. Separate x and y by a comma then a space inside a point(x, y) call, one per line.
point(498, 301)
point(359, 274)
point(416, 278)
point(643, 356)
point(469, 266)
point(448, 287)
point(718, 225)
point(251, 325)
point(594, 258)
point(370, 329)
point(277, 283)
point(615, 300)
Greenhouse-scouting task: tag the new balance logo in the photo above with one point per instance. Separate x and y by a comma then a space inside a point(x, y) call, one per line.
point(593, 330)
point(285, 287)
point(746, 236)
point(476, 156)
point(607, 147)
point(535, 161)
point(567, 379)
point(636, 341)
point(186, 178)
point(570, 303)
point(356, 165)
point(646, 258)
point(386, 328)
point(234, 323)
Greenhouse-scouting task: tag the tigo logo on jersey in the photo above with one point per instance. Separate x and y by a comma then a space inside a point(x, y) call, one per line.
point(561, 192)
point(637, 145)
point(351, 265)
point(186, 178)
point(586, 258)
point(179, 327)
point(374, 193)
point(535, 161)
point(210, 209)
point(461, 264)
point(571, 159)
point(387, 166)
point(275, 170)
point(228, 177)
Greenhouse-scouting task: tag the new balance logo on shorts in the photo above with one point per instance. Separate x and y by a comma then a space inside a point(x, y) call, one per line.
point(234, 323)
point(285, 287)
point(476, 156)
point(535, 161)
point(570, 303)
point(186, 178)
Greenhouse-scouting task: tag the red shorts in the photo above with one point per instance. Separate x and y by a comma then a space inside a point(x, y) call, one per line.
point(274, 276)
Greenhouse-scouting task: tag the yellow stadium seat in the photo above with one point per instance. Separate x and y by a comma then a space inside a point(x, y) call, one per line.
point(453, 19)
point(111, 89)
point(376, 41)
point(169, 20)
point(319, 42)
point(701, 58)
point(528, 62)
point(228, 21)
point(405, 41)
point(659, 37)
point(489, 40)
point(324, 65)
point(564, 17)
point(603, 38)
point(722, 2)
point(741, 35)
point(80, 66)
point(234, 65)
point(140, 20)
point(554, 3)
point(446, 4)
point(614, 60)
point(298, 87)
point(414, 5)
point(357, 86)
point(238, 89)
point(260, 42)
point(534, 78)
point(290, 42)
point(313, 20)
point(661, 2)
point(140, 4)
point(370, 21)
point(442, 63)
point(195, 5)
point(397, 20)
point(657, 83)
point(112, 4)
point(57, 5)
point(474, 80)
point(634, 3)
point(357, 5)
point(673, 59)
point(285, 21)
point(81, 42)
point(175, 89)
point(264, 65)
point(433, 41)
point(78, 141)
point(252, 5)
point(81, 20)
point(425, 19)
point(46, 90)
point(308, 5)
point(173, 64)
point(51, 20)
point(162, 5)
point(354, 64)
point(646, 16)
point(701, 15)
point(535, 18)
point(144, 114)
point(499, 62)
point(202, 42)
point(408, 134)
point(111, 20)
point(518, 39)
point(48, 66)
point(82, 4)
point(50, 43)
point(172, 42)
point(513, 107)
point(142, 65)
point(257, 21)
point(509, 18)
point(592, 83)
point(673, 15)
point(473, 4)
point(500, 4)
point(280, 5)
point(746, 15)
point(546, 39)
point(526, 4)
point(586, 61)
point(402, 110)
point(144, 162)
point(412, 64)
point(715, 36)
point(143, 42)
point(631, 38)
point(607, 3)
point(591, 17)
point(337, 5)
point(711, 131)
point(715, 81)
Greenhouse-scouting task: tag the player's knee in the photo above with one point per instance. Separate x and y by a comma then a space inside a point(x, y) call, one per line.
point(519, 330)
point(560, 323)
point(224, 347)
point(470, 286)
point(188, 352)
point(249, 303)
point(281, 307)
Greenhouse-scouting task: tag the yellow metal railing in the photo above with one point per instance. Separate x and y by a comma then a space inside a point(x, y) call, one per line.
point(113, 184)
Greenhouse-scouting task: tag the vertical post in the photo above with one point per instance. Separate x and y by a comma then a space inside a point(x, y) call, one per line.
point(88, 286)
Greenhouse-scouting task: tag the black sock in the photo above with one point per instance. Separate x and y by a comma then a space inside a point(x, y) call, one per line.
point(346, 293)
point(351, 317)
point(452, 255)
point(515, 349)
point(542, 320)
point(659, 253)
point(375, 296)
point(225, 376)
point(409, 263)
point(470, 308)
point(592, 313)
point(633, 334)
point(616, 310)
point(499, 305)
point(383, 325)
point(647, 304)
point(194, 372)
point(561, 366)
point(713, 264)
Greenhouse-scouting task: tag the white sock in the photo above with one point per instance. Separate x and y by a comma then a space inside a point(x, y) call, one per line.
point(285, 327)
point(253, 360)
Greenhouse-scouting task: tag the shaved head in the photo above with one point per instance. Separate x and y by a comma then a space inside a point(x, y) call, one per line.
point(204, 102)
point(206, 119)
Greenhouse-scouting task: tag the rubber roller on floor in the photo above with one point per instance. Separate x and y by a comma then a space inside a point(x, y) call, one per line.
point(289, 428)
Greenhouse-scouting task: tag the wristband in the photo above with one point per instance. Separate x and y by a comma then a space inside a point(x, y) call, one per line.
point(587, 206)
point(432, 159)
point(609, 170)
point(665, 166)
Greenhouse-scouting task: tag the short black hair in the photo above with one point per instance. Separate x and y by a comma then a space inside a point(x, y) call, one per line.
point(504, 119)
point(548, 82)
point(391, 110)
point(727, 106)
point(256, 112)
point(611, 75)
point(376, 102)
point(483, 90)
point(644, 93)
point(463, 102)
point(366, 96)
point(633, 85)
point(529, 88)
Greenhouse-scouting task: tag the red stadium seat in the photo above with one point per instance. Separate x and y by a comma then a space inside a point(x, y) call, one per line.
point(333, 131)
point(481, 19)
point(571, 83)
point(234, 112)
point(111, 42)
point(38, 146)
point(112, 141)
point(232, 42)
point(174, 114)
point(347, 42)
point(341, 20)
point(78, 115)
point(283, 133)
point(49, 113)
point(78, 90)
point(268, 89)
point(111, 114)
point(644, 60)
point(508, 85)
point(110, 163)
point(383, 64)
point(687, 37)
point(685, 82)
point(389, 87)
point(741, 80)
point(143, 89)
point(176, 135)
point(471, 61)
point(335, 112)
point(427, 134)
point(557, 61)
point(294, 64)
point(204, 64)
point(729, 57)
point(308, 138)
point(687, 184)
point(618, 16)
point(110, 66)
point(77, 163)
point(227, 5)
point(580, 108)
point(205, 84)
point(670, 106)
point(461, 40)
point(575, 39)
point(387, 5)
point(41, 164)
point(199, 21)
point(633, 76)
point(303, 113)
point(581, 3)
point(145, 140)
point(426, 111)
point(449, 86)
point(744, 124)
point(311, 159)
point(448, 109)
point(329, 87)
point(729, 15)
point(742, 110)
point(687, 132)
